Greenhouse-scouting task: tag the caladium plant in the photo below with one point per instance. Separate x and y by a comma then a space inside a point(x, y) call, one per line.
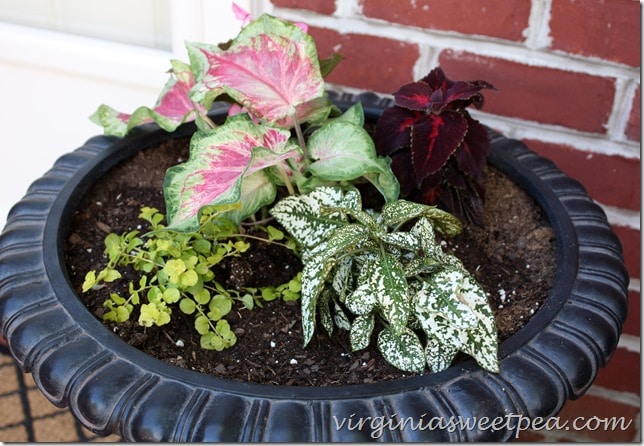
point(362, 269)
point(272, 73)
point(173, 108)
point(439, 151)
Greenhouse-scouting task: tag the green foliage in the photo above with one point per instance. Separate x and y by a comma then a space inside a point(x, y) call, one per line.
point(388, 267)
point(362, 269)
point(176, 273)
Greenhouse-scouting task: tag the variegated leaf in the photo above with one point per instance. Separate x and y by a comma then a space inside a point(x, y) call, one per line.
point(362, 217)
point(438, 356)
point(444, 222)
point(353, 115)
point(362, 300)
point(361, 330)
point(404, 240)
point(401, 211)
point(337, 243)
point(324, 306)
point(271, 68)
point(342, 278)
point(173, 108)
point(448, 294)
point(301, 215)
point(343, 152)
point(482, 342)
point(313, 275)
point(257, 190)
point(340, 318)
point(384, 180)
point(219, 159)
point(387, 280)
point(432, 252)
point(462, 320)
point(402, 350)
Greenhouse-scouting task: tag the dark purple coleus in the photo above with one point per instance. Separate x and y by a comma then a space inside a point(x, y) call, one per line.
point(438, 150)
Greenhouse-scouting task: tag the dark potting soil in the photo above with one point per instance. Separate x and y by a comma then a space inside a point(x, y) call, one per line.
point(512, 256)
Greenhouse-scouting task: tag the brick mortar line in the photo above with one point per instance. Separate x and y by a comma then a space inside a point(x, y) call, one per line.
point(516, 51)
point(634, 285)
point(626, 398)
point(619, 115)
point(584, 141)
point(622, 217)
point(629, 343)
point(538, 31)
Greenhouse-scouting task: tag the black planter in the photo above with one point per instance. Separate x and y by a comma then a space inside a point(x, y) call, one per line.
point(114, 388)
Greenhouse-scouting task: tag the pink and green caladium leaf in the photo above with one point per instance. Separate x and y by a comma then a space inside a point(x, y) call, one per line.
point(219, 161)
point(271, 68)
point(173, 108)
point(257, 190)
point(344, 151)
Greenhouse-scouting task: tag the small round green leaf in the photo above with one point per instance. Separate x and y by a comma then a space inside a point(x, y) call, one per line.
point(202, 325)
point(187, 306)
point(171, 295)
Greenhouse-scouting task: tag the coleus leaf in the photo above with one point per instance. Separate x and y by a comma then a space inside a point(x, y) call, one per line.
point(438, 151)
point(219, 160)
point(473, 151)
point(414, 96)
point(173, 108)
point(271, 68)
point(393, 130)
point(434, 138)
point(445, 93)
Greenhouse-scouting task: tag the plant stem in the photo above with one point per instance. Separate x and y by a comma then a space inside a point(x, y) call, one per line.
point(262, 239)
point(208, 121)
point(300, 138)
point(258, 222)
point(287, 180)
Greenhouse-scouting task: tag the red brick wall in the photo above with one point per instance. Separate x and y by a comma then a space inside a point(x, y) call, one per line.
point(568, 80)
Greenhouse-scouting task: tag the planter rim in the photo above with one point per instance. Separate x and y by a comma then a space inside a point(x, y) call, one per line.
point(575, 219)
